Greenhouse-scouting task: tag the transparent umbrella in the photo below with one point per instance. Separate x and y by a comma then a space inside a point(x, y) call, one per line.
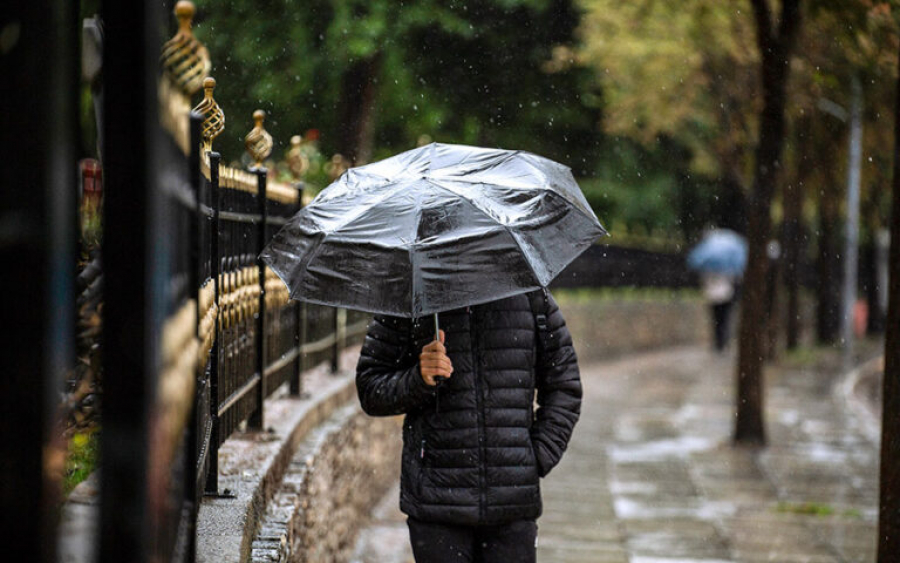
point(433, 229)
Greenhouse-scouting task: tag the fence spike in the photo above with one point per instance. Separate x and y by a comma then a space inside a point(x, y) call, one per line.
point(185, 60)
point(297, 162)
point(258, 141)
point(213, 116)
point(336, 166)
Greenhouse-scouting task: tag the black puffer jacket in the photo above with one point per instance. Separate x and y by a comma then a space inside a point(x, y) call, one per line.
point(474, 448)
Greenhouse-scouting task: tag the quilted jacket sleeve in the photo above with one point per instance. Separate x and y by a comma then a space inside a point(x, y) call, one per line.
point(387, 374)
point(559, 392)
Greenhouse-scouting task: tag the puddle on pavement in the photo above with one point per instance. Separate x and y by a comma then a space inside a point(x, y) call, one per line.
point(631, 509)
point(633, 488)
point(679, 447)
point(640, 559)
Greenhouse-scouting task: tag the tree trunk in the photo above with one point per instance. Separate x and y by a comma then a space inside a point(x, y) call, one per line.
point(874, 262)
point(359, 93)
point(775, 49)
point(828, 263)
point(878, 307)
point(792, 233)
point(793, 252)
point(889, 506)
point(773, 299)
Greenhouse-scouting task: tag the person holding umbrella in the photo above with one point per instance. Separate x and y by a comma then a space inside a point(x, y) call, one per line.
point(720, 259)
point(465, 239)
point(474, 449)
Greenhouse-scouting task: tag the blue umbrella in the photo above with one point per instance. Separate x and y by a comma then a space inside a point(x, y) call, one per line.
point(721, 251)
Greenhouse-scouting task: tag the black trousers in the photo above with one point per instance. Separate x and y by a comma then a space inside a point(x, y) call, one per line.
point(506, 543)
point(721, 314)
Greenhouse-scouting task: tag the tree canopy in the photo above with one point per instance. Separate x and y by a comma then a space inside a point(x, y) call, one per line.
point(496, 73)
point(684, 70)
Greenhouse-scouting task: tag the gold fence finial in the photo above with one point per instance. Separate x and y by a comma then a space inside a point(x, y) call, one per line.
point(336, 166)
point(297, 162)
point(213, 116)
point(258, 141)
point(185, 60)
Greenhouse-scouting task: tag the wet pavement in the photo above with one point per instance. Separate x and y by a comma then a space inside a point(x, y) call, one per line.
point(651, 477)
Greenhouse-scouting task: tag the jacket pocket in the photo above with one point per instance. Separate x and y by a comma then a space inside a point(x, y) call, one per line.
point(534, 459)
point(425, 458)
point(536, 469)
point(412, 468)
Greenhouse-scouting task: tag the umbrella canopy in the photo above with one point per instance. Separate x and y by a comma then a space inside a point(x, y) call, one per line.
point(433, 229)
point(721, 251)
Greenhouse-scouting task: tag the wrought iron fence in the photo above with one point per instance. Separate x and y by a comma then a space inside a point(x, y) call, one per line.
point(196, 332)
point(251, 339)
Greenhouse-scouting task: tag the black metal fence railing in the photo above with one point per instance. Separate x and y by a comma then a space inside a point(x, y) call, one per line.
point(196, 333)
point(255, 337)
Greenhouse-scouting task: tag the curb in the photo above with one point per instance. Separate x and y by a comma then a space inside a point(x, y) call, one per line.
point(252, 464)
point(867, 414)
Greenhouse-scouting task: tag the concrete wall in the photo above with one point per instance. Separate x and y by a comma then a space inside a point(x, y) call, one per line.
point(607, 327)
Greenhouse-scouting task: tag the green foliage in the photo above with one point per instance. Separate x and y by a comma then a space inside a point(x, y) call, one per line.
point(618, 294)
point(81, 458)
point(512, 74)
point(512, 82)
point(271, 55)
point(635, 189)
point(684, 70)
point(843, 40)
point(649, 191)
point(493, 73)
point(817, 509)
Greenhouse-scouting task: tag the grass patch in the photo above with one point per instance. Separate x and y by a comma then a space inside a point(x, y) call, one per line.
point(816, 509)
point(616, 294)
point(811, 356)
point(81, 458)
point(828, 356)
point(802, 356)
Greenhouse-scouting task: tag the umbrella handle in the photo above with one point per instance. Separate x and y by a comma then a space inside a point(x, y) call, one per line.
point(437, 328)
point(437, 336)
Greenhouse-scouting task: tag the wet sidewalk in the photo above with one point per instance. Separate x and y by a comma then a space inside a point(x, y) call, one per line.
point(650, 475)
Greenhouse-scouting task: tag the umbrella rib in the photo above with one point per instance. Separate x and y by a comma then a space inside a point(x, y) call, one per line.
point(545, 187)
point(371, 204)
point(506, 158)
point(431, 155)
point(412, 265)
point(552, 192)
point(505, 227)
point(314, 252)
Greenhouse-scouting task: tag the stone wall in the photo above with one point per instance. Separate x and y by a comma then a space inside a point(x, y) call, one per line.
point(299, 490)
point(329, 489)
point(608, 327)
